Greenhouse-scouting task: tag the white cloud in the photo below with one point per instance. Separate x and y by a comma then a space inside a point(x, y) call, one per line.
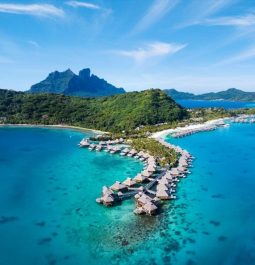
point(198, 11)
point(83, 4)
point(157, 10)
point(242, 56)
point(33, 43)
point(155, 49)
point(32, 9)
point(239, 21)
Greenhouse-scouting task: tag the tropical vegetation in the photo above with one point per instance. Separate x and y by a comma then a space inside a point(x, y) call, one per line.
point(164, 155)
point(118, 113)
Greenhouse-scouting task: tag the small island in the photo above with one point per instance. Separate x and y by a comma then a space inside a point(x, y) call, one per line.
point(131, 124)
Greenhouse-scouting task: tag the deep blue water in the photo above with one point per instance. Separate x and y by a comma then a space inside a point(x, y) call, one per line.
point(48, 187)
point(215, 104)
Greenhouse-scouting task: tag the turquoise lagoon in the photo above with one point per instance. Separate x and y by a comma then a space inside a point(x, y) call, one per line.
point(49, 215)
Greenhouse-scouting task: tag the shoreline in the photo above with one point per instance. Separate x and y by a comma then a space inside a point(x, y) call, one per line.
point(56, 126)
point(164, 133)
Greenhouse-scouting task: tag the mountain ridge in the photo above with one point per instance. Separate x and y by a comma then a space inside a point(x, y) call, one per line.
point(231, 94)
point(84, 84)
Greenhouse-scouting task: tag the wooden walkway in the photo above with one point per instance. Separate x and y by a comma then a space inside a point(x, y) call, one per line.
point(146, 188)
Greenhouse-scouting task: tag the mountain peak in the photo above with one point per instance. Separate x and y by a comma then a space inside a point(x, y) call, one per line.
point(85, 84)
point(84, 73)
point(234, 90)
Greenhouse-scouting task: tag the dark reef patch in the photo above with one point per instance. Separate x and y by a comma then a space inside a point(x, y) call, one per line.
point(215, 223)
point(222, 238)
point(8, 219)
point(218, 196)
point(44, 240)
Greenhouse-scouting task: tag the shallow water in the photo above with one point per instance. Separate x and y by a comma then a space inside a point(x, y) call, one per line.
point(213, 219)
point(48, 213)
point(48, 190)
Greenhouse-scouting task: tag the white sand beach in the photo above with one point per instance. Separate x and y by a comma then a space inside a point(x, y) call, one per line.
point(164, 133)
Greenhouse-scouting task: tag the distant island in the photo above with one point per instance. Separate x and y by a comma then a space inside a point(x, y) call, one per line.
point(231, 94)
point(84, 84)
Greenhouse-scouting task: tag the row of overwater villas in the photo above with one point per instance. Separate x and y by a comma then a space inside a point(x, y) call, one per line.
point(187, 132)
point(150, 186)
point(243, 120)
point(114, 147)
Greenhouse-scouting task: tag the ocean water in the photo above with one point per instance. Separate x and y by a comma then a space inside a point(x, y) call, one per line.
point(215, 104)
point(48, 187)
point(48, 213)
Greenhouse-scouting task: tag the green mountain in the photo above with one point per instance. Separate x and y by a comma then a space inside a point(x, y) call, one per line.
point(231, 94)
point(114, 113)
point(85, 84)
point(177, 95)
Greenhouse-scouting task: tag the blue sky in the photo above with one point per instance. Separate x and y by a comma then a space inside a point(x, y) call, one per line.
point(190, 45)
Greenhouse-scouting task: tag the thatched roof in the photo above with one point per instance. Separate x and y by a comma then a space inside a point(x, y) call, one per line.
point(141, 153)
point(118, 186)
point(133, 152)
point(174, 171)
point(151, 168)
point(162, 186)
point(150, 207)
point(125, 150)
point(129, 182)
point(146, 173)
point(144, 198)
point(108, 198)
point(139, 178)
point(162, 194)
point(181, 169)
point(163, 180)
point(106, 191)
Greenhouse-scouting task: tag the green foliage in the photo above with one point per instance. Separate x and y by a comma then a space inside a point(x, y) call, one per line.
point(115, 113)
point(164, 155)
point(243, 111)
point(206, 114)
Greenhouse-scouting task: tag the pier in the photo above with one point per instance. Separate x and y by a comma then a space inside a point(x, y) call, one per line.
point(244, 119)
point(149, 187)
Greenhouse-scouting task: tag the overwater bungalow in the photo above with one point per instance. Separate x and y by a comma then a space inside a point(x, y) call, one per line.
point(99, 147)
point(107, 149)
point(139, 178)
point(141, 198)
point(151, 168)
point(150, 208)
point(163, 194)
point(129, 182)
point(140, 154)
point(169, 176)
point(117, 186)
point(174, 171)
point(124, 152)
point(133, 152)
point(182, 169)
point(115, 150)
point(163, 180)
point(92, 146)
point(84, 143)
point(162, 186)
point(108, 200)
point(146, 173)
point(106, 190)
